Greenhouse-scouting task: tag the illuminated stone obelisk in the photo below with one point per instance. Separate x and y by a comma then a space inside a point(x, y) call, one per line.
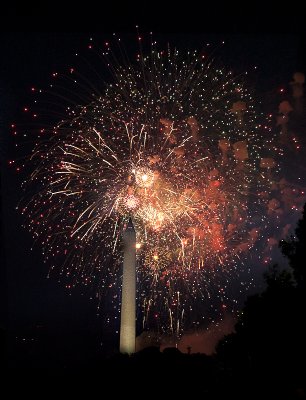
point(128, 300)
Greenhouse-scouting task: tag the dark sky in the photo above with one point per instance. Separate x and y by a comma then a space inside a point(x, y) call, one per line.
point(28, 57)
point(165, 17)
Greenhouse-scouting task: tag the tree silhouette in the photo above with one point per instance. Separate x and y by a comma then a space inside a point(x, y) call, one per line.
point(268, 348)
point(294, 249)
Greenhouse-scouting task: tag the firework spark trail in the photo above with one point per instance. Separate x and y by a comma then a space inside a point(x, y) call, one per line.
point(174, 143)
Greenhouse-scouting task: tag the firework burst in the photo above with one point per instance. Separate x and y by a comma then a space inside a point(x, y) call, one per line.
point(176, 144)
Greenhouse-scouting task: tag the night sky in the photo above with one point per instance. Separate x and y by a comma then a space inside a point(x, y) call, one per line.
point(41, 310)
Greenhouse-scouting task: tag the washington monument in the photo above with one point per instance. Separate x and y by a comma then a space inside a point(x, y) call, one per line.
point(128, 300)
